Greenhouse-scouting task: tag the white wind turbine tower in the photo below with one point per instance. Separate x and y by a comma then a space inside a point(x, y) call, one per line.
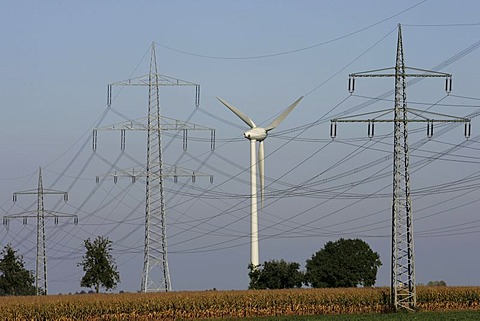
point(255, 134)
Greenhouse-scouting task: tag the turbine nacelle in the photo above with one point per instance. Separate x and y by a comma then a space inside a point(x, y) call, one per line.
point(257, 133)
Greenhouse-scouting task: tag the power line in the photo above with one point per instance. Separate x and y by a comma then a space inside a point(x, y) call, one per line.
point(294, 50)
point(444, 25)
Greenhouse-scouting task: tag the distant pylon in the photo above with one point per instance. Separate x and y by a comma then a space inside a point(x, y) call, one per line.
point(403, 286)
point(40, 214)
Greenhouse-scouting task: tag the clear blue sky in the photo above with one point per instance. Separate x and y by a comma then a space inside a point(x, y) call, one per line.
point(56, 58)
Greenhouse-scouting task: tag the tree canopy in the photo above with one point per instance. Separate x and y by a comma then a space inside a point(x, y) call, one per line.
point(437, 283)
point(343, 263)
point(99, 265)
point(14, 278)
point(275, 275)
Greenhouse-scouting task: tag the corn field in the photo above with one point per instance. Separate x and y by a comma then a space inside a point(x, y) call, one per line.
point(227, 304)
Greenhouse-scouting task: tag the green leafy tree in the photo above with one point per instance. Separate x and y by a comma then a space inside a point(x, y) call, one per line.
point(14, 278)
point(343, 263)
point(275, 275)
point(99, 265)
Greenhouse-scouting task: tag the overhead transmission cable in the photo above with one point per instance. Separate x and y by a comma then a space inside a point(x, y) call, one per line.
point(294, 50)
point(452, 59)
point(458, 56)
point(443, 25)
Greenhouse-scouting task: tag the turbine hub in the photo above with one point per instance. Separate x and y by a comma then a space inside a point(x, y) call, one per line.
point(257, 133)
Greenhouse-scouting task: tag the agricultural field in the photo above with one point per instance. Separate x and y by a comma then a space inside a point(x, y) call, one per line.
point(419, 316)
point(339, 304)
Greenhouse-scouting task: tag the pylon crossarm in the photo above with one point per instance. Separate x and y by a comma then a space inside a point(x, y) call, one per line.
point(424, 118)
point(447, 118)
point(173, 171)
point(382, 73)
point(27, 192)
point(167, 171)
point(58, 214)
point(144, 80)
point(348, 119)
point(366, 73)
point(33, 214)
point(54, 192)
point(134, 124)
point(142, 125)
point(429, 73)
point(21, 215)
point(35, 191)
point(153, 79)
point(405, 75)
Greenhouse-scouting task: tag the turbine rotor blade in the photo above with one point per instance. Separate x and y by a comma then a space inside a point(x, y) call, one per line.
point(282, 116)
point(237, 112)
point(261, 169)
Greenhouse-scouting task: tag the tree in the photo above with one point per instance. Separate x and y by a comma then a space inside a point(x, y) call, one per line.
point(14, 278)
point(99, 265)
point(437, 283)
point(343, 263)
point(275, 275)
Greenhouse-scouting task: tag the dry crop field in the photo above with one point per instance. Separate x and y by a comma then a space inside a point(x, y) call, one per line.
point(228, 304)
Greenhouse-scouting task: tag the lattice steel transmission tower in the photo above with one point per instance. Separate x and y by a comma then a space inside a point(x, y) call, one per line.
point(403, 286)
point(156, 275)
point(40, 214)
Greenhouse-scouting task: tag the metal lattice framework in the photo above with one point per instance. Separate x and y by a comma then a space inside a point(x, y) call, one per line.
point(168, 171)
point(156, 275)
point(40, 214)
point(403, 286)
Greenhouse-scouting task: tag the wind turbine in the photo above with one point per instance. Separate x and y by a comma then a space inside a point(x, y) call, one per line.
point(257, 134)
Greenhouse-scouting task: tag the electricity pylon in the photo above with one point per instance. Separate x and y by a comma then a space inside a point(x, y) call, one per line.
point(403, 286)
point(156, 275)
point(40, 214)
